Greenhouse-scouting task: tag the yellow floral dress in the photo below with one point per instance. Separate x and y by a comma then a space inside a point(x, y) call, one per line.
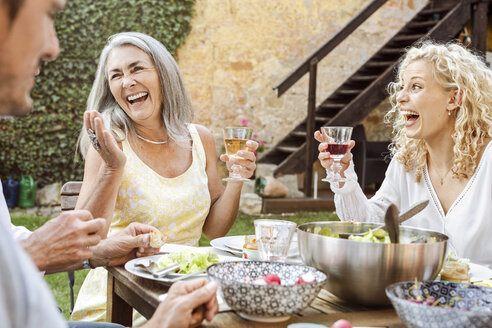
point(176, 206)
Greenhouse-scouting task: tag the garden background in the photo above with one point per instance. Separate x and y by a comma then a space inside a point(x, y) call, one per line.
point(231, 53)
point(43, 144)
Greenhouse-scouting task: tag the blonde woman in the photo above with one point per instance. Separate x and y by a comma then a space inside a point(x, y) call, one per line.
point(442, 123)
point(144, 159)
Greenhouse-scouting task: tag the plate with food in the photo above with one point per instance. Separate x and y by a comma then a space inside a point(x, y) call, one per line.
point(186, 262)
point(462, 270)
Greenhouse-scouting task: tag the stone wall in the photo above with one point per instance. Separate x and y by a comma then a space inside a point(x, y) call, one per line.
point(237, 50)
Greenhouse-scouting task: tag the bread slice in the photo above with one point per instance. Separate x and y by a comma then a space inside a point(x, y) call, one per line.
point(157, 239)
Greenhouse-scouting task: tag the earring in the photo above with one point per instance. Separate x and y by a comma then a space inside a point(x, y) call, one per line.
point(449, 113)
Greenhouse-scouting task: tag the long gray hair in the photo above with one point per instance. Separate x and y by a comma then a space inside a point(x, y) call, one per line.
point(176, 108)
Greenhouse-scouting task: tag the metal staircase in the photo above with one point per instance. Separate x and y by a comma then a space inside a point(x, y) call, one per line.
point(365, 89)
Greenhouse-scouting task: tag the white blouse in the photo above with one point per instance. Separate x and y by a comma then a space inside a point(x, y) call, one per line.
point(468, 223)
point(18, 232)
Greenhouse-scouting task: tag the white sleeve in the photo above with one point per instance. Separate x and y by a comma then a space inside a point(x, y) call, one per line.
point(352, 204)
point(19, 232)
point(25, 299)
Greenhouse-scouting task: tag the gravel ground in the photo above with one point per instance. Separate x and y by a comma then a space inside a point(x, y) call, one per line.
point(47, 211)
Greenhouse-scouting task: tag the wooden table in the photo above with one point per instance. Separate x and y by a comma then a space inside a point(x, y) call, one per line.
point(127, 291)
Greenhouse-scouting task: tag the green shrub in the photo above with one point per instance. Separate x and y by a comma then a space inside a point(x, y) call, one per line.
point(43, 144)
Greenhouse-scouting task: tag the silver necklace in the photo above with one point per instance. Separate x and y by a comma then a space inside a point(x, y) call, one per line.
point(151, 141)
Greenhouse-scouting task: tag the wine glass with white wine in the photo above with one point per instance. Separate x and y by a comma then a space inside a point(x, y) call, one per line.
point(338, 138)
point(235, 139)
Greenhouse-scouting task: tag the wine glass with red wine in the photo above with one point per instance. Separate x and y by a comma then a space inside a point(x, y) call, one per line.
point(338, 138)
point(235, 139)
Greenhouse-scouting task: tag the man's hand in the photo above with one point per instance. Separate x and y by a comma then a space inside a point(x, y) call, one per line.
point(186, 305)
point(131, 242)
point(63, 241)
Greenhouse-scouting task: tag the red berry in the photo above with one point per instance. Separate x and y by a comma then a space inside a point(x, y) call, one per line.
point(306, 278)
point(272, 279)
point(341, 324)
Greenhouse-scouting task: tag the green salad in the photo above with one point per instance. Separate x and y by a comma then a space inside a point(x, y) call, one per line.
point(373, 236)
point(189, 261)
point(325, 232)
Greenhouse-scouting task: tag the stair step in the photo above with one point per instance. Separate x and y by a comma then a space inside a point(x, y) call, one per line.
point(423, 24)
point(432, 11)
point(287, 149)
point(391, 51)
point(349, 92)
point(299, 133)
point(363, 78)
point(378, 64)
point(408, 37)
point(322, 119)
point(333, 106)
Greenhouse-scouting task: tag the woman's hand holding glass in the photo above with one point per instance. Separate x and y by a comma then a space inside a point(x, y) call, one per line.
point(325, 157)
point(242, 164)
point(103, 140)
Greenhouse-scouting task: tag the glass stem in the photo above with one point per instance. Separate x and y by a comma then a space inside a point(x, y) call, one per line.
point(336, 168)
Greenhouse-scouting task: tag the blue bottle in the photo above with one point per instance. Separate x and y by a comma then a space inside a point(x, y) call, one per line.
point(11, 191)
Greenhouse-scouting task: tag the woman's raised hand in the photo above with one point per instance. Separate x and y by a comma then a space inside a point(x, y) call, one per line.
point(245, 161)
point(103, 140)
point(325, 157)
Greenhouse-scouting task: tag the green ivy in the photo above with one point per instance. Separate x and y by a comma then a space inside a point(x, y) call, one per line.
point(43, 144)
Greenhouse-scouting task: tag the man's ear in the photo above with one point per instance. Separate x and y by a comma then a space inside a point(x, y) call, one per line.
point(455, 100)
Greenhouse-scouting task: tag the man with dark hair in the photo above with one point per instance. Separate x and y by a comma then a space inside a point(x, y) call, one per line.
point(70, 241)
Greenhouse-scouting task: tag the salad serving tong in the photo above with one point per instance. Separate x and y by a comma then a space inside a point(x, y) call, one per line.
point(415, 209)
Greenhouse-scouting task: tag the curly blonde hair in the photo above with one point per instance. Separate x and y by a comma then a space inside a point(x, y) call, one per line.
point(455, 68)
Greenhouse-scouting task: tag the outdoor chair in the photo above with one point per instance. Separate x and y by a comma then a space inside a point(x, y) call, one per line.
point(371, 158)
point(69, 194)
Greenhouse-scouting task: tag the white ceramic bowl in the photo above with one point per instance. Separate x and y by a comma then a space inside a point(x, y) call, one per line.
point(267, 303)
point(470, 305)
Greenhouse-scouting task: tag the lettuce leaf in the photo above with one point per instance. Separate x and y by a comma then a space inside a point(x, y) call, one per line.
point(190, 261)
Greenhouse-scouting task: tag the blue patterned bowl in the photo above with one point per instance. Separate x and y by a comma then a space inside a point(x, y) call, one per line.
point(268, 303)
point(470, 305)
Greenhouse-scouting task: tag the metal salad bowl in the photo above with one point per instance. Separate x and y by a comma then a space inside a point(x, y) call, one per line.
point(359, 271)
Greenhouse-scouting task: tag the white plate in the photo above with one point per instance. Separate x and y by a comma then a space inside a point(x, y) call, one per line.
point(220, 244)
point(479, 272)
point(130, 267)
point(234, 245)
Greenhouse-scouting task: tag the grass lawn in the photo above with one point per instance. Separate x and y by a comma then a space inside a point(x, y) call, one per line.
point(243, 226)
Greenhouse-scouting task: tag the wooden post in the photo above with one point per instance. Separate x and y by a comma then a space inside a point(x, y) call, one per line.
point(310, 126)
point(117, 310)
point(479, 27)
